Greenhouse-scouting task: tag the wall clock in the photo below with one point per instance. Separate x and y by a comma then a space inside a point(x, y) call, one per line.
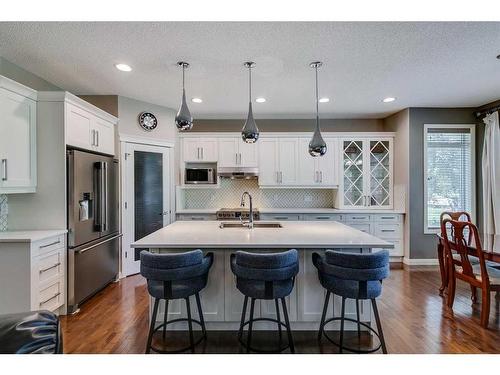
point(148, 121)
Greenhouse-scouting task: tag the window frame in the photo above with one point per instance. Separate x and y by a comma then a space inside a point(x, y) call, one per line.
point(472, 129)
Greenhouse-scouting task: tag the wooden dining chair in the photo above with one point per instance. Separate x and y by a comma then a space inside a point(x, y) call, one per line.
point(460, 267)
point(443, 269)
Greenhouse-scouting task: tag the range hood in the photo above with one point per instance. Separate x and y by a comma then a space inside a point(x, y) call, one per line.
point(246, 173)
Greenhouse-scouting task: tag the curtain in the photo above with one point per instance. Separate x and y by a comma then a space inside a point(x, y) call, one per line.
point(491, 175)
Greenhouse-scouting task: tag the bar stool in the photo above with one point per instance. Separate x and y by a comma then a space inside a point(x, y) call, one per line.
point(174, 276)
point(265, 276)
point(355, 276)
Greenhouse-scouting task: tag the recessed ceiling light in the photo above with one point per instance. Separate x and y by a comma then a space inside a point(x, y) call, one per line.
point(123, 67)
point(388, 100)
point(197, 100)
point(324, 100)
point(260, 100)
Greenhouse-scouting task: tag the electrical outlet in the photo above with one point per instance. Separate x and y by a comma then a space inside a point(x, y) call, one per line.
point(308, 198)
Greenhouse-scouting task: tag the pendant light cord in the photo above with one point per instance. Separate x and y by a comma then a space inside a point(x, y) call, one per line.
point(249, 84)
point(183, 68)
point(317, 96)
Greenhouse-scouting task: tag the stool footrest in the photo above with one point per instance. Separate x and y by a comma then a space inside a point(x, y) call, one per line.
point(346, 347)
point(200, 339)
point(278, 350)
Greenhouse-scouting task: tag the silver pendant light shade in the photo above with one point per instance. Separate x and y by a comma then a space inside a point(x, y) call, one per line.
point(317, 146)
point(183, 119)
point(250, 131)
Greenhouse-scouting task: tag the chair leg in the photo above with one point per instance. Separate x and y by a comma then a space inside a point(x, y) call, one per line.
point(288, 328)
point(357, 316)
point(485, 307)
point(200, 314)
point(249, 336)
point(473, 296)
point(451, 287)
point(323, 316)
point(342, 326)
point(243, 314)
point(190, 325)
point(379, 326)
point(278, 316)
point(442, 268)
point(165, 315)
point(152, 325)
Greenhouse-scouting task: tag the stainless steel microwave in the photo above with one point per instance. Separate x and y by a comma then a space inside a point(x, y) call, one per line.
point(200, 176)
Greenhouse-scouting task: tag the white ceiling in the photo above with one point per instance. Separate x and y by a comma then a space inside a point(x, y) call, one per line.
point(421, 64)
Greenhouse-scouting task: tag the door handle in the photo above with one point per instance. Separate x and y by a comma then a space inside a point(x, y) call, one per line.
point(198, 153)
point(97, 138)
point(202, 154)
point(49, 268)
point(4, 170)
point(98, 244)
point(50, 244)
point(105, 194)
point(93, 137)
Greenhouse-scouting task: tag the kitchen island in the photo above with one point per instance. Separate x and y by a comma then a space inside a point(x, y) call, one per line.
point(222, 302)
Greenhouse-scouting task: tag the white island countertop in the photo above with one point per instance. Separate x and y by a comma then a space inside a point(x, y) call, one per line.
point(293, 234)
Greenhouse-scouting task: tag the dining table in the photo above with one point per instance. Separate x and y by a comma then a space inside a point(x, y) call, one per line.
point(490, 243)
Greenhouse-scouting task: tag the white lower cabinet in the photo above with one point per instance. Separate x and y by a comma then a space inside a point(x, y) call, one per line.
point(37, 269)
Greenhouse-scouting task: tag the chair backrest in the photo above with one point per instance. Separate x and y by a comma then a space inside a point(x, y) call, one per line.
point(459, 216)
point(359, 267)
point(457, 236)
point(172, 266)
point(266, 266)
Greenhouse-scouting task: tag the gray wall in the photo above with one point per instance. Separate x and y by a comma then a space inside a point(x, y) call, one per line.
point(24, 77)
point(423, 246)
point(291, 125)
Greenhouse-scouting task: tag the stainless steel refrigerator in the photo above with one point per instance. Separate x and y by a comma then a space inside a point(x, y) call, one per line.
point(93, 225)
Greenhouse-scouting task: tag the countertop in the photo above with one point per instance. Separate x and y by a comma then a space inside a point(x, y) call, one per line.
point(293, 234)
point(29, 235)
point(208, 211)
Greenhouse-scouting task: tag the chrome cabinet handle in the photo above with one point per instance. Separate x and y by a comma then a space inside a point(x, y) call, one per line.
point(202, 149)
point(321, 176)
point(388, 217)
point(359, 217)
point(236, 158)
point(281, 217)
point(197, 218)
point(93, 137)
point(277, 177)
point(49, 268)
point(51, 298)
point(50, 244)
point(387, 230)
point(281, 177)
point(4, 169)
point(240, 158)
point(97, 138)
point(316, 176)
point(322, 218)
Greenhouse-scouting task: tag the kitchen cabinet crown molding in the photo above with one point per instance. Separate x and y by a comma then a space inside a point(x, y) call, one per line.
point(357, 134)
point(65, 96)
point(18, 88)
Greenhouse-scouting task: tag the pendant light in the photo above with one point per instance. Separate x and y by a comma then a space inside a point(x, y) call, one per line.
point(317, 146)
point(250, 131)
point(183, 119)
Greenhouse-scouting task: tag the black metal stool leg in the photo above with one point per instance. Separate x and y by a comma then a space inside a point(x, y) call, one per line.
point(249, 336)
point(278, 315)
point(152, 326)
point(379, 326)
point(357, 316)
point(190, 325)
point(243, 314)
point(200, 314)
point(323, 316)
point(288, 328)
point(342, 326)
point(165, 315)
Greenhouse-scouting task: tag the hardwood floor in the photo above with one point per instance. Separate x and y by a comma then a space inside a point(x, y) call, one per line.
point(414, 317)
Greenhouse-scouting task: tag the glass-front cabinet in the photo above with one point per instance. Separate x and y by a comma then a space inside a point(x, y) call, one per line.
point(367, 173)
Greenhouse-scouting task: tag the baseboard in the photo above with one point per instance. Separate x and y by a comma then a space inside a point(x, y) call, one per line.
point(420, 262)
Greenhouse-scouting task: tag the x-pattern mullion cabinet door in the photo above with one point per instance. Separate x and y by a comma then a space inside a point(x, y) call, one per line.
point(367, 178)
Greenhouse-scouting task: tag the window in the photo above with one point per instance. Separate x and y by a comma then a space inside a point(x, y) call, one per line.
point(449, 175)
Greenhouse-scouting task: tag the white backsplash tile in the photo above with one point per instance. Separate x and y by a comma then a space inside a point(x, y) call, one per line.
point(229, 195)
point(4, 208)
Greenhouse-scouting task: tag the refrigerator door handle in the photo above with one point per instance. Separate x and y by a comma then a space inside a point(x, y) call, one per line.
point(105, 193)
point(98, 244)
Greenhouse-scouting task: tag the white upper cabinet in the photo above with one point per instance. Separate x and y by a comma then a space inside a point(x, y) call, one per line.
point(199, 149)
point(321, 171)
point(278, 161)
point(233, 152)
point(89, 128)
point(17, 138)
point(367, 173)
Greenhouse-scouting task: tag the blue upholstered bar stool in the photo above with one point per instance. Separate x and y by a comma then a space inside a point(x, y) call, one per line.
point(355, 276)
point(265, 276)
point(173, 276)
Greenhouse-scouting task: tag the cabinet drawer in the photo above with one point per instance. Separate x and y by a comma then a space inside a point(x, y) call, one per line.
point(388, 218)
point(387, 230)
point(363, 227)
point(355, 218)
point(49, 244)
point(280, 217)
point(52, 296)
point(397, 251)
point(320, 217)
point(50, 266)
